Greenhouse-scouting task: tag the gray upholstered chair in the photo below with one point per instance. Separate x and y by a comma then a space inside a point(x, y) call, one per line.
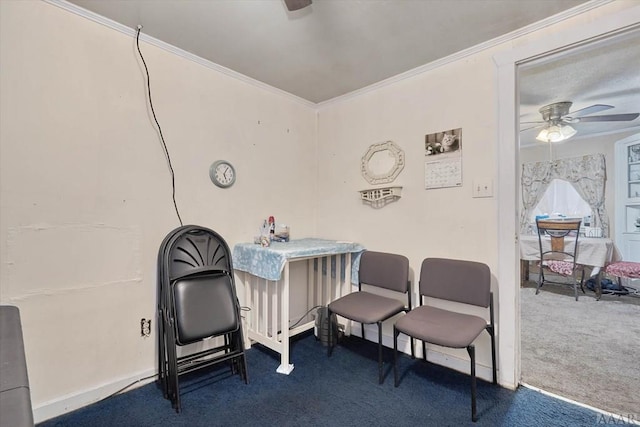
point(460, 281)
point(382, 270)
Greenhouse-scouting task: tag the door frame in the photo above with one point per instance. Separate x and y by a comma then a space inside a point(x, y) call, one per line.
point(508, 272)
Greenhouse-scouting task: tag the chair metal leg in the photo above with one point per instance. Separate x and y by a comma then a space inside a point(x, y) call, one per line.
point(380, 375)
point(540, 279)
point(493, 358)
point(161, 353)
point(173, 373)
point(472, 354)
point(395, 356)
point(242, 363)
point(492, 333)
point(575, 283)
point(424, 351)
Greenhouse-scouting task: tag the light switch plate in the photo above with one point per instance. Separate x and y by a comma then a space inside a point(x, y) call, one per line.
point(482, 187)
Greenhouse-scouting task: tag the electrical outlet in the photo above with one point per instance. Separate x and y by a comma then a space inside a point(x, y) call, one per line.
point(145, 327)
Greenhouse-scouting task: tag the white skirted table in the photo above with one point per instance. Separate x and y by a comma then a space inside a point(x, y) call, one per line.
point(592, 251)
point(595, 252)
point(264, 272)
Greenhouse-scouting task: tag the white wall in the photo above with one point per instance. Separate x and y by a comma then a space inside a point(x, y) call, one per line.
point(86, 193)
point(86, 198)
point(443, 222)
point(423, 223)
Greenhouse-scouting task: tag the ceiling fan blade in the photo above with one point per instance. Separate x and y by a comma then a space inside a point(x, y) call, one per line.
point(532, 127)
point(589, 110)
point(609, 118)
point(296, 4)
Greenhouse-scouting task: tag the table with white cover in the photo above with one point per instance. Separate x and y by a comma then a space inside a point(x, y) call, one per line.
point(594, 252)
point(265, 273)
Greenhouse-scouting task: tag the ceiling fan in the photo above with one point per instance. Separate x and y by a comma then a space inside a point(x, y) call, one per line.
point(557, 120)
point(293, 5)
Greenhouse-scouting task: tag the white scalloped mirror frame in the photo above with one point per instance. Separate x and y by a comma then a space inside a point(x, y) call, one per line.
point(374, 175)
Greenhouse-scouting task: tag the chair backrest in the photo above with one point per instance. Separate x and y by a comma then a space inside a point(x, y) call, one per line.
point(558, 230)
point(384, 270)
point(197, 249)
point(462, 281)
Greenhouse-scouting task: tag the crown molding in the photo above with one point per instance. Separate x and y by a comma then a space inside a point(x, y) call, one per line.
point(562, 16)
point(70, 7)
point(585, 7)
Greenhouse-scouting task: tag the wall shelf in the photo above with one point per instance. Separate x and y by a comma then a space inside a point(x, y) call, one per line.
point(380, 196)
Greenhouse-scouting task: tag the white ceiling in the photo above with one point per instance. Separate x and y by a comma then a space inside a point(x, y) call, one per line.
point(335, 47)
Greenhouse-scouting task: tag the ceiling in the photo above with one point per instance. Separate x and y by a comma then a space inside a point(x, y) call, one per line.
point(600, 72)
point(335, 47)
point(332, 47)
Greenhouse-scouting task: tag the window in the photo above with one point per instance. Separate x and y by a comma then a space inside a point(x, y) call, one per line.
point(561, 198)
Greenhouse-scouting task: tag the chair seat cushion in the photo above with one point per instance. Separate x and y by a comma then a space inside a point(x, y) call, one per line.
point(204, 307)
point(365, 307)
point(442, 327)
point(624, 269)
point(564, 268)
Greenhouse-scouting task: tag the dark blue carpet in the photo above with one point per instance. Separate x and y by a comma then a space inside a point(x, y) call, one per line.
point(339, 391)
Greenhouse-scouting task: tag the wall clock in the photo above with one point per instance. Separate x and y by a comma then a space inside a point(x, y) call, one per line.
point(222, 173)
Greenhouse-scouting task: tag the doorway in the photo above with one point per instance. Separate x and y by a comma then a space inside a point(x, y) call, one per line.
point(508, 171)
point(581, 350)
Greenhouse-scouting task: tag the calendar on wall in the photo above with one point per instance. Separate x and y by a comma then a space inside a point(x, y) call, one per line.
point(443, 159)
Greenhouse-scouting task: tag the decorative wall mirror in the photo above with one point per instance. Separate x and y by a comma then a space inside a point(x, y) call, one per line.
point(382, 163)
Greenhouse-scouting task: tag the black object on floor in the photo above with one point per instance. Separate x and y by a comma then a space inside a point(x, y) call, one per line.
point(608, 287)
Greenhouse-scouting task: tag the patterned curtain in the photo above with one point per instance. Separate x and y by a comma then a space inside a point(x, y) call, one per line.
point(587, 174)
point(535, 180)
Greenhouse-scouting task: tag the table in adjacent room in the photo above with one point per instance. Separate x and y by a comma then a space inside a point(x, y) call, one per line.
point(265, 273)
point(594, 252)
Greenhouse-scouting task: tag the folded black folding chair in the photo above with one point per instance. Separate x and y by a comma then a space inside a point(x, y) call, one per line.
point(196, 301)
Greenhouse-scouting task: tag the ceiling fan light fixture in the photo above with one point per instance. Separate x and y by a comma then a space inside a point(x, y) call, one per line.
point(556, 133)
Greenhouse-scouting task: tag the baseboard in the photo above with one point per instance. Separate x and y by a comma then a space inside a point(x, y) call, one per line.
point(71, 402)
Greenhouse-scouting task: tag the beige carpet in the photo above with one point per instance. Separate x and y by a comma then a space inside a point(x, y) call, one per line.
point(586, 350)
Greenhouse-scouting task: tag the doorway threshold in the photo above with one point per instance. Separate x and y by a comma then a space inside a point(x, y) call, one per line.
point(607, 417)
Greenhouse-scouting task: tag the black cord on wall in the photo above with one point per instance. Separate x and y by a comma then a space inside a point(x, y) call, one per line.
point(164, 145)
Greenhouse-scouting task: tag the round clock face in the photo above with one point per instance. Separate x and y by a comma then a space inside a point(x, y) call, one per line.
point(222, 174)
